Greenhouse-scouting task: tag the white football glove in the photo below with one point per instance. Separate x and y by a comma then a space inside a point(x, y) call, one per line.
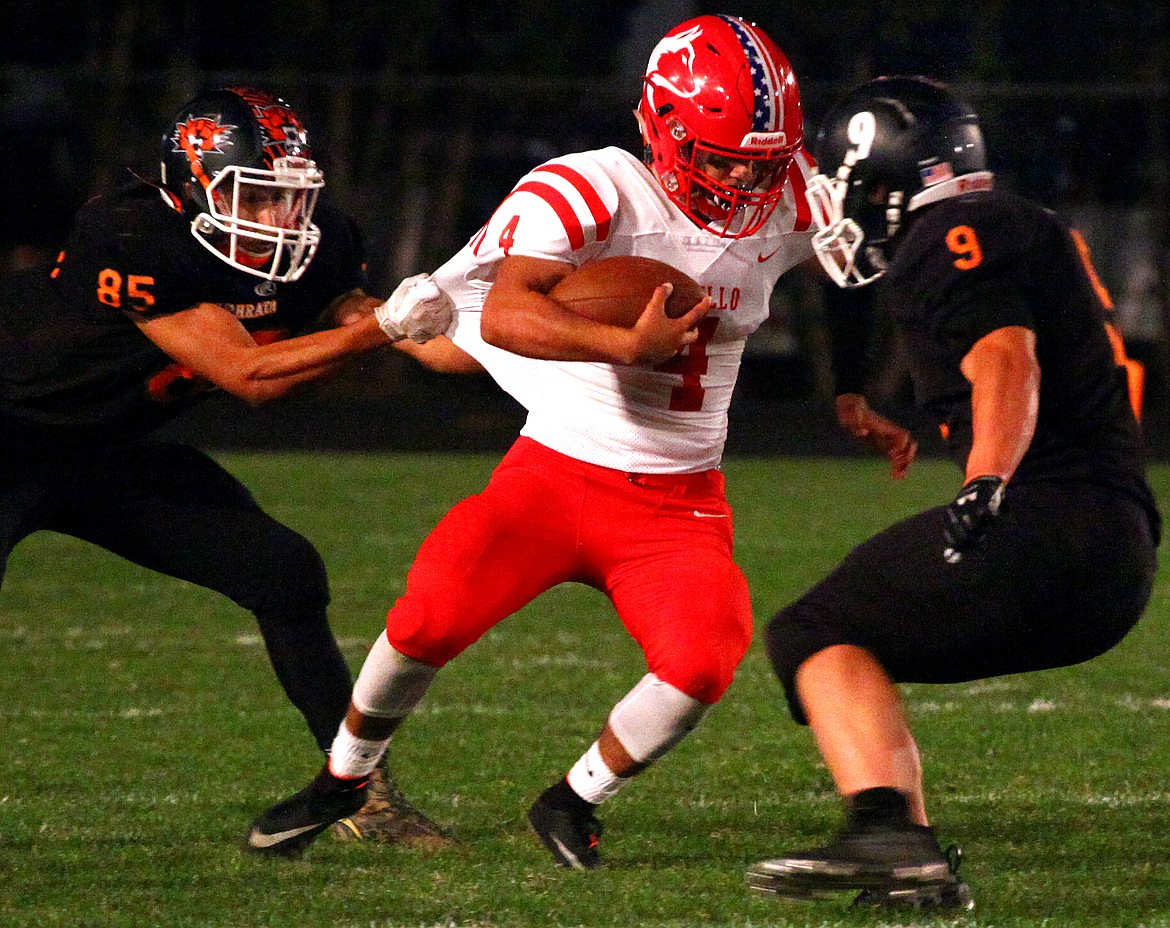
point(417, 309)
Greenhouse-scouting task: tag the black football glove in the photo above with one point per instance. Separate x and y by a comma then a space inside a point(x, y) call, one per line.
point(970, 515)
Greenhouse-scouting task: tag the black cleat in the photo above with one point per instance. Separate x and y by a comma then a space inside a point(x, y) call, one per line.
point(389, 817)
point(290, 826)
point(954, 894)
point(571, 835)
point(885, 859)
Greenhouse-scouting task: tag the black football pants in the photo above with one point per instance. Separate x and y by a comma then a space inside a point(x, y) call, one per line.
point(1062, 576)
point(172, 509)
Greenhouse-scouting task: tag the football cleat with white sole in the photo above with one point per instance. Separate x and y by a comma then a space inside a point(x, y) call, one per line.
point(953, 895)
point(290, 826)
point(885, 859)
point(570, 835)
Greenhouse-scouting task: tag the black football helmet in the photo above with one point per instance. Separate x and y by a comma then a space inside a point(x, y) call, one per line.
point(894, 145)
point(239, 157)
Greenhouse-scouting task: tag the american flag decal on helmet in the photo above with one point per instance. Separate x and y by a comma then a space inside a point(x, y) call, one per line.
point(766, 116)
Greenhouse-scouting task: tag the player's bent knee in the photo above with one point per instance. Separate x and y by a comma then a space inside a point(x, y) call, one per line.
point(705, 683)
point(793, 635)
point(286, 576)
point(704, 670)
point(424, 637)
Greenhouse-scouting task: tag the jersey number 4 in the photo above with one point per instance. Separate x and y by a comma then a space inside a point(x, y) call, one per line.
point(688, 396)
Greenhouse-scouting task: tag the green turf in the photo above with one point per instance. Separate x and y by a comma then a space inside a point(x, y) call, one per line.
point(142, 729)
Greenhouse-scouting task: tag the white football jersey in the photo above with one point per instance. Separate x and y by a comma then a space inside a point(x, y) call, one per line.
point(600, 204)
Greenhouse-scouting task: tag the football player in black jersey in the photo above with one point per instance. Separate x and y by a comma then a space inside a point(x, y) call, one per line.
point(163, 291)
point(1008, 349)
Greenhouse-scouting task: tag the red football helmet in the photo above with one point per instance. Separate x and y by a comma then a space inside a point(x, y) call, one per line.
point(720, 115)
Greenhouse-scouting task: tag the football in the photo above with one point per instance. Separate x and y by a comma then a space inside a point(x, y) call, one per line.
point(616, 290)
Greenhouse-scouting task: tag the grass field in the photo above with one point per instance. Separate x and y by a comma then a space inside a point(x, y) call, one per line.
point(142, 730)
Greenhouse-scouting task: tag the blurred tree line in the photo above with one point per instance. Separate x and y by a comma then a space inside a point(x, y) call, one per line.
point(423, 114)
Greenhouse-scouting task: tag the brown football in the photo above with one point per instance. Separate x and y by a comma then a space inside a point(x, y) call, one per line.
point(616, 290)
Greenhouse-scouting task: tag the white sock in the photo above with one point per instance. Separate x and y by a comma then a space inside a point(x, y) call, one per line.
point(591, 778)
point(352, 757)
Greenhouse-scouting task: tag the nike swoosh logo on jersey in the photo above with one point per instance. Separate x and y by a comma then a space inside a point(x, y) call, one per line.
point(261, 840)
point(769, 256)
point(710, 515)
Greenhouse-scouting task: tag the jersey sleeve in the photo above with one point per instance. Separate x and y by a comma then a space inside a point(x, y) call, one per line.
point(130, 257)
point(802, 168)
point(975, 269)
point(559, 211)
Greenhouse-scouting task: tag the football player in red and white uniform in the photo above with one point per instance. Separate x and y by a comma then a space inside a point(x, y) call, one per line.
point(614, 480)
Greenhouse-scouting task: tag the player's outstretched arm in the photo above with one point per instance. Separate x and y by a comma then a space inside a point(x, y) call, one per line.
point(440, 354)
point(212, 343)
point(437, 354)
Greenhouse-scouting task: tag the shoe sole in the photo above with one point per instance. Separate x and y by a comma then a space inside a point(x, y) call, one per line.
point(351, 828)
point(955, 895)
point(816, 879)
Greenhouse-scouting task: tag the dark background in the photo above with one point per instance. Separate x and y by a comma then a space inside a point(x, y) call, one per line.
point(423, 115)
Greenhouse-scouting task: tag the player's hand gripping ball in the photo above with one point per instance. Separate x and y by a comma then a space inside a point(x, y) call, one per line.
point(616, 290)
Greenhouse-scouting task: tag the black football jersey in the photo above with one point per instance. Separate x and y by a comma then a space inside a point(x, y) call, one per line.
point(72, 355)
point(976, 263)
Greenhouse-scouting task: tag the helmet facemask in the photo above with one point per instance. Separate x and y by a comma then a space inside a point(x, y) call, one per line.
point(260, 221)
point(852, 241)
point(730, 193)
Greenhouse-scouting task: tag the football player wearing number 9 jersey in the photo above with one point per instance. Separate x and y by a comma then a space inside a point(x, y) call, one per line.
point(1046, 556)
point(614, 480)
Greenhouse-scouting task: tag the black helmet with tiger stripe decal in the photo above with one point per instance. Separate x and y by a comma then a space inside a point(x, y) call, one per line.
point(240, 158)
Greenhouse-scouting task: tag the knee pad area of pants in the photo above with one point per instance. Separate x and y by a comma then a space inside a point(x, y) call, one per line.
point(289, 577)
point(792, 636)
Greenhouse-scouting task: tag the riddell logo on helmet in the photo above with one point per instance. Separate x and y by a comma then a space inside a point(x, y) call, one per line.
point(975, 181)
point(764, 140)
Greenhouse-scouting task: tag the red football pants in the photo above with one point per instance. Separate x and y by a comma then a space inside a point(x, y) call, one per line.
point(658, 545)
